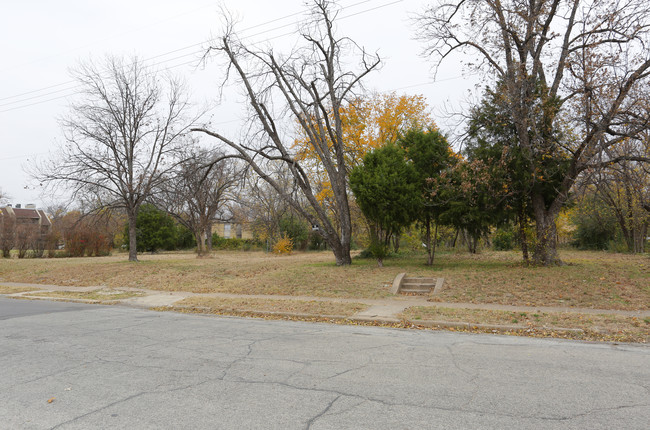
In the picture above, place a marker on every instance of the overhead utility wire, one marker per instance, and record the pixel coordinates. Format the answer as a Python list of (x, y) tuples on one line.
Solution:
[(175, 58), (172, 59), (187, 47)]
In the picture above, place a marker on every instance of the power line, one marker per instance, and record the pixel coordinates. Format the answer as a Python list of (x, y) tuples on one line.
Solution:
[(179, 50), (172, 59)]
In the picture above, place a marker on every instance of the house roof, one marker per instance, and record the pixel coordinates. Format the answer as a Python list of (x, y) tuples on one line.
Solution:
[(45, 221), (26, 213)]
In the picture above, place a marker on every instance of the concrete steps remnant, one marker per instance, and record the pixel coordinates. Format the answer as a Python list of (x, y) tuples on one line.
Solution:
[(404, 285)]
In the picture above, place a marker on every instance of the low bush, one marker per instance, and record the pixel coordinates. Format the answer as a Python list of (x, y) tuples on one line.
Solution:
[(221, 243), (284, 245)]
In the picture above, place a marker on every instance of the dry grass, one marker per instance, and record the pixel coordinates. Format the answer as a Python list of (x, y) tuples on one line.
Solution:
[(97, 296), (623, 327), (312, 274), (592, 279), (242, 305), (6, 289)]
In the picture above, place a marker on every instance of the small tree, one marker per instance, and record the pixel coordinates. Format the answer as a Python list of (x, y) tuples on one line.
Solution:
[(295, 228), (121, 136), (26, 235), (155, 229), (200, 188), (432, 157), (388, 192), (7, 235)]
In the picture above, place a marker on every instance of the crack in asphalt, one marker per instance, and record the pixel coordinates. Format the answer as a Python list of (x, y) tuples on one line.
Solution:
[(126, 399), (322, 413)]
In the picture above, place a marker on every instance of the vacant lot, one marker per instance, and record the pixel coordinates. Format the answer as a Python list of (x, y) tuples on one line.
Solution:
[(594, 326), (591, 279)]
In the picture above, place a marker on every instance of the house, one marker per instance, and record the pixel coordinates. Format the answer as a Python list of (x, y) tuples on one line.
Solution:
[(232, 230), (25, 219)]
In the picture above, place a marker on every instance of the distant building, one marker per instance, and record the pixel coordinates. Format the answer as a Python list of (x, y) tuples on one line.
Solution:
[(232, 230), (26, 219)]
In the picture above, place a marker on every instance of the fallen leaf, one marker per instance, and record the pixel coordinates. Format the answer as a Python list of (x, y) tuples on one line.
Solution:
[(51, 400)]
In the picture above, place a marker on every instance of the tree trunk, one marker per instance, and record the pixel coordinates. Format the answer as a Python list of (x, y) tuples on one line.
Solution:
[(340, 250), (427, 239), (546, 248), (453, 244), (208, 238), (198, 235), (472, 242), (342, 255), (396, 239), (133, 244), (432, 245), (522, 236)]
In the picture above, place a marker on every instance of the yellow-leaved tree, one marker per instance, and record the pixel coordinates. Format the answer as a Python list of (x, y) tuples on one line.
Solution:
[(367, 123), (371, 122)]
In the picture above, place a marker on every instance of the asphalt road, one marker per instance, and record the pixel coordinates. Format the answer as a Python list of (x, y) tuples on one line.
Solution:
[(118, 367)]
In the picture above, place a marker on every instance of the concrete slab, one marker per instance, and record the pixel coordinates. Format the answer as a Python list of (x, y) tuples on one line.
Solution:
[(383, 311), (155, 300)]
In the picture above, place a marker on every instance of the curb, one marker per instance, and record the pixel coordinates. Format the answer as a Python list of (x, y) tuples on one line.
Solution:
[(207, 310), (379, 320), (493, 327)]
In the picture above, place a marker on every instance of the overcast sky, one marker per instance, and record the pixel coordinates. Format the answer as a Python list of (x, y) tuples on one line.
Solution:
[(40, 40)]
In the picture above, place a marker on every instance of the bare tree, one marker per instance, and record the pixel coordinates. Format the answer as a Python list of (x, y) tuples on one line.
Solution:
[(7, 228), (309, 86), (625, 188), (576, 65), (265, 207), (121, 137), (200, 189), (26, 236), (7, 233)]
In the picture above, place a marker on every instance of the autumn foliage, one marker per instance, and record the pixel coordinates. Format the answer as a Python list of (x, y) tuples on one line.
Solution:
[(284, 245), (371, 122)]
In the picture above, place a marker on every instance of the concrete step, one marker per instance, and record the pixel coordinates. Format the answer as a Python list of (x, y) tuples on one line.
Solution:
[(419, 284), (422, 287), (402, 284), (414, 291), (428, 281)]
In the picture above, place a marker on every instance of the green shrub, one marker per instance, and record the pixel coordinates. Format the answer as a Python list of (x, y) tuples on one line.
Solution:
[(221, 243), (317, 242), (503, 240), (379, 250), (296, 229), (596, 225)]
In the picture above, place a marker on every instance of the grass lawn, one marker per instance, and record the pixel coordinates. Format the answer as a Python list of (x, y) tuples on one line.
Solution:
[(96, 296), (591, 279), (6, 289), (620, 328), (238, 306)]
